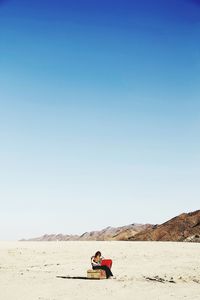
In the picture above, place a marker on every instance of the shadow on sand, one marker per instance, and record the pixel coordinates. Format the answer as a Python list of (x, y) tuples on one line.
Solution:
[(77, 277)]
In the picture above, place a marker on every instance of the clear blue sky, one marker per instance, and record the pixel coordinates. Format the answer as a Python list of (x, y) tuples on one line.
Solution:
[(99, 113)]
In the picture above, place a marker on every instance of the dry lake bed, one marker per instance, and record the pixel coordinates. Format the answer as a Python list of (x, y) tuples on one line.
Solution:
[(143, 270)]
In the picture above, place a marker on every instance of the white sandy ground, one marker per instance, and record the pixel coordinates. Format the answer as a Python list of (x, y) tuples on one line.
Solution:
[(28, 270)]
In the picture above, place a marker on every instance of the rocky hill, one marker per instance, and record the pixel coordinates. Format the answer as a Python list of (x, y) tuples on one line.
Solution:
[(109, 233), (185, 227)]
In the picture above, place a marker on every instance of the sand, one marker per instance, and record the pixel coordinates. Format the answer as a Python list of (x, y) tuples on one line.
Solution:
[(29, 270)]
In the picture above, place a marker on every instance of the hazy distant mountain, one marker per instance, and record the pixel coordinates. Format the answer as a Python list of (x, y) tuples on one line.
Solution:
[(185, 227), (109, 233), (55, 237)]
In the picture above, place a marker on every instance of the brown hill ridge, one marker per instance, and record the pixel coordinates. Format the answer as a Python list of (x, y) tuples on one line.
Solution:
[(116, 234), (185, 227)]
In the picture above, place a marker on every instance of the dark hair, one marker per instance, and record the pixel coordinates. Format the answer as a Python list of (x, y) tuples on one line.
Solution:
[(98, 253)]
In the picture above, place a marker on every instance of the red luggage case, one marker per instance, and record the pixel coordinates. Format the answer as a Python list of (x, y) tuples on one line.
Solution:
[(107, 262)]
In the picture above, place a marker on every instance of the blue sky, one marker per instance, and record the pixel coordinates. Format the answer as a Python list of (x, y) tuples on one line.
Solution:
[(99, 114)]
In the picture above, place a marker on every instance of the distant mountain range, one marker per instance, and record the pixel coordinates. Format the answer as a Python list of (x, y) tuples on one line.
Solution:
[(185, 227), (107, 234)]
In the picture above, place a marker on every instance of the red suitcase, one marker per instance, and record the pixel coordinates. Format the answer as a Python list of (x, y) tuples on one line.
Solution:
[(107, 262)]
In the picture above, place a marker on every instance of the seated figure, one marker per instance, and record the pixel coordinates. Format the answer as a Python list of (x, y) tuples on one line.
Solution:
[(98, 262)]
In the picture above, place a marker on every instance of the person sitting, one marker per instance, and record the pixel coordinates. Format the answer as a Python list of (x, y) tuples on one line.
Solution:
[(98, 262)]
